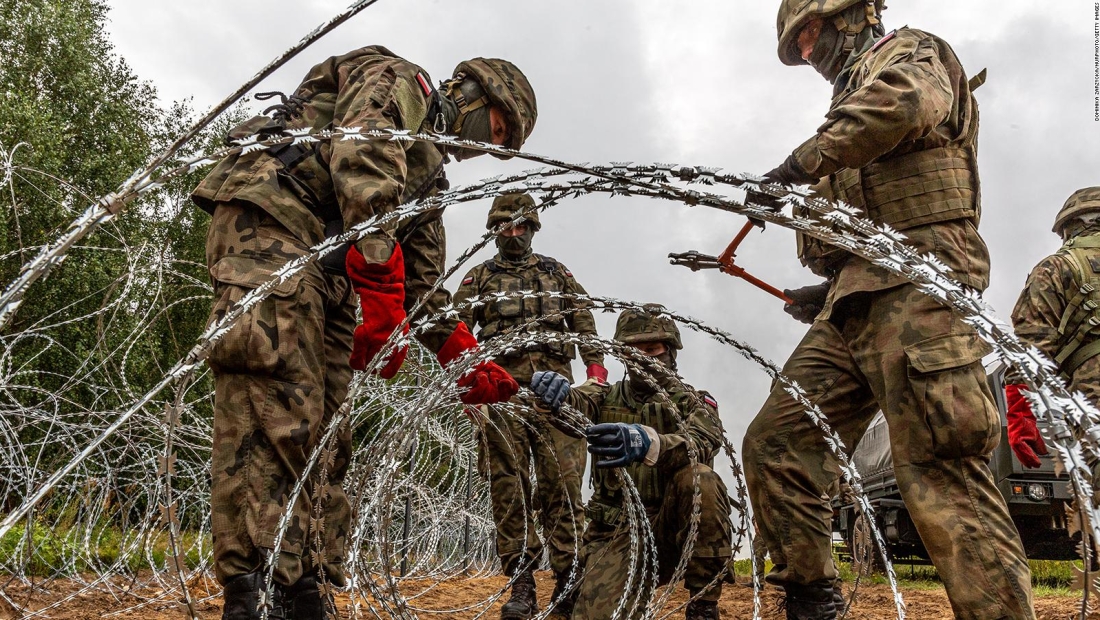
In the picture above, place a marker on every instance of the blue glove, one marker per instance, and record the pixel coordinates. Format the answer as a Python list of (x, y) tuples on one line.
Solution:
[(624, 443), (551, 388)]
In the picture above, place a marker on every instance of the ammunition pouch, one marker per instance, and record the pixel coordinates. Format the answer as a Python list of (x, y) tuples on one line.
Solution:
[(605, 514), (915, 189)]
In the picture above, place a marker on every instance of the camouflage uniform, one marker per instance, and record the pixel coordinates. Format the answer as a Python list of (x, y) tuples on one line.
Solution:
[(899, 142), (1054, 312), (508, 443), (667, 489), (282, 371)]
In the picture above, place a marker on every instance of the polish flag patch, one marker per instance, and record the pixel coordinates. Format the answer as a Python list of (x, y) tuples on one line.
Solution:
[(708, 399), (883, 40), (424, 83), (469, 280)]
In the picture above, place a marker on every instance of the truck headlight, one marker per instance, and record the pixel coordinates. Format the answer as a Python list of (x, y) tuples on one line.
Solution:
[(1037, 492)]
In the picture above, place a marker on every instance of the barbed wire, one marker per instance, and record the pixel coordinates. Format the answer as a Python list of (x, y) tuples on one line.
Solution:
[(90, 491)]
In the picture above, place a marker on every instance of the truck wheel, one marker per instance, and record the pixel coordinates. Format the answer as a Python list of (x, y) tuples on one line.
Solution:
[(866, 559)]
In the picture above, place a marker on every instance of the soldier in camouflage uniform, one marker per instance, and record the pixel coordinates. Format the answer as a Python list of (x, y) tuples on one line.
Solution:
[(508, 444), (283, 369), (899, 142), (1057, 314), (652, 437)]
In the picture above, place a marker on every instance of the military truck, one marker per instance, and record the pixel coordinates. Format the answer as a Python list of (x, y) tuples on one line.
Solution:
[(1036, 498)]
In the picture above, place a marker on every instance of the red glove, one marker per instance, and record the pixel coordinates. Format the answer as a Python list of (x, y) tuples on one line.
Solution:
[(597, 372), (1023, 435), (487, 382), (381, 289)]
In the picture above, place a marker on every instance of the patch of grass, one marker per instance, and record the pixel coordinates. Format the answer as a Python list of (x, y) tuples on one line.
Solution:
[(53, 552), (1046, 576)]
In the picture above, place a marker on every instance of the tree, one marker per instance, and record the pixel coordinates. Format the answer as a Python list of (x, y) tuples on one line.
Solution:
[(75, 122)]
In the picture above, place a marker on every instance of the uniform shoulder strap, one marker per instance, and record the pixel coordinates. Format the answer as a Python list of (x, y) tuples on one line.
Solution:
[(547, 264), (492, 266), (975, 81)]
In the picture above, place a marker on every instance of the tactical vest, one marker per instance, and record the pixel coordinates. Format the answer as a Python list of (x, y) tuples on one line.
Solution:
[(304, 168), (607, 500), (1079, 329), (546, 276), (916, 188)]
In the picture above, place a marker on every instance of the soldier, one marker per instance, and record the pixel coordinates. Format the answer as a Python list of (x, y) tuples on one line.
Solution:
[(283, 370), (1057, 314), (508, 444), (652, 436), (899, 142)]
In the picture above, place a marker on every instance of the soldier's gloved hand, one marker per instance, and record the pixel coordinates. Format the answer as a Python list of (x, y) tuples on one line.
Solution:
[(789, 172), (486, 383), (551, 388), (381, 289), (1023, 434), (621, 444), (808, 301), (597, 372)]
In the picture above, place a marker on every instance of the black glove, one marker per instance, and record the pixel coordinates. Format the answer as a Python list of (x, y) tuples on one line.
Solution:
[(787, 173), (808, 302), (623, 443), (551, 388)]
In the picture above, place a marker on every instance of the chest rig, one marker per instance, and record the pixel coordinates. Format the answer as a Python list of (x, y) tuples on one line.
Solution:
[(546, 275)]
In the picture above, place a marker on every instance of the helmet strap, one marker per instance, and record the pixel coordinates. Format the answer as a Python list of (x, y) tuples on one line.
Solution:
[(452, 91)]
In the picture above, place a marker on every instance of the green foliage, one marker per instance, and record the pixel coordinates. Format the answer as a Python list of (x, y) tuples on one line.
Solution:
[(132, 298), (1053, 576), (53, 552)]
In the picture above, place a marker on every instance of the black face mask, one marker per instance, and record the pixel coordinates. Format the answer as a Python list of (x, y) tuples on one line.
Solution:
[(654, 368), (828, 55), (518, 247)]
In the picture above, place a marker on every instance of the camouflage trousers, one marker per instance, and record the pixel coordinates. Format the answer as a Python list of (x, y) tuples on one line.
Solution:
[(280, 374), (900, 351), (608, 564), (506, 449)]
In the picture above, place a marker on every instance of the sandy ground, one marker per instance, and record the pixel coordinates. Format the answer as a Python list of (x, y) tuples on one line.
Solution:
[(873, 602)]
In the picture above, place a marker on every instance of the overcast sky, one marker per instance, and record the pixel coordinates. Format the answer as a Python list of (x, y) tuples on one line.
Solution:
[(694, 83)]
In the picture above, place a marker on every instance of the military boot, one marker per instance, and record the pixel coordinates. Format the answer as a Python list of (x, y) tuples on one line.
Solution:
[(815, 601), (307, 602), (702, 610), (563, 609), (242, 598), (523, 604), (839, 599)]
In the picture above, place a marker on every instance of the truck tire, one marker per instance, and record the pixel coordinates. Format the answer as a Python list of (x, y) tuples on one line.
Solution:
[(866, 559)]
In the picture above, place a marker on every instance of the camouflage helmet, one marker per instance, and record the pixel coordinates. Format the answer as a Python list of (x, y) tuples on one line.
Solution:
[(646, 325), (795, 14), (508, 88), (507, 205), (1082, 201)]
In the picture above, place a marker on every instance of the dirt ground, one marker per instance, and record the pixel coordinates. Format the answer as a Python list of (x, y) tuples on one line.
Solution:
[(873, 602)]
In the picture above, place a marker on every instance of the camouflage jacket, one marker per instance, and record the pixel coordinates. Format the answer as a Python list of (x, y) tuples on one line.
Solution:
[(701, 431), (1051, 313), (899, 142), (350, 180), (537, 274)]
